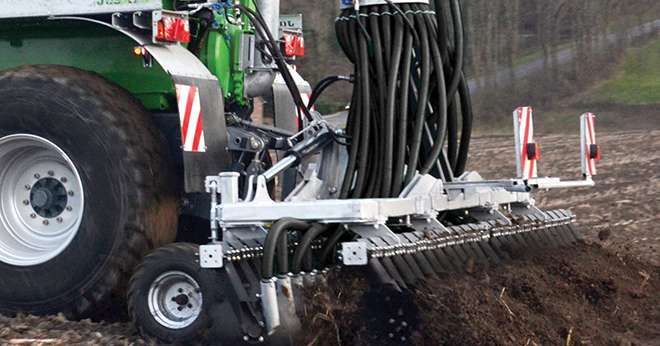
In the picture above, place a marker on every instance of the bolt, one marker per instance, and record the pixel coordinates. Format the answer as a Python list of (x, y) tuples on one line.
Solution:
[(51, 173), (69, 208), (59, 219), (26, 202), (37, 176), (189, 306), (180, 308), (180, 290), (34, 216), (71, 193), (174, 299), (64, 179), (46, 223), (254, 143)]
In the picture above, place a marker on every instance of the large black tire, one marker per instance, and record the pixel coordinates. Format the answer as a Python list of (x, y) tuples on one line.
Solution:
[(174, 258), (131, 203)]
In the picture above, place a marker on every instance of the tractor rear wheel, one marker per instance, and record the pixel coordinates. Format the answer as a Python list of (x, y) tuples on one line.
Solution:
[(85, 190)]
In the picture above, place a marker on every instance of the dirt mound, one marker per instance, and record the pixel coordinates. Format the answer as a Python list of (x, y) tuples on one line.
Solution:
[(577, 296)]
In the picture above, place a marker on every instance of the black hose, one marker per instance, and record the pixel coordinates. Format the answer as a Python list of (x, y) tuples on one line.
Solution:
[(409, 96), (304, 247), (324, 84), (422, 101), (330, 244), (261, 27), (459, 47), (277, 239), (466, 131)]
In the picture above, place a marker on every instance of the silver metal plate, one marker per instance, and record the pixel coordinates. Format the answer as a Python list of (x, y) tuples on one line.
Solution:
[(355, 253), (45, 8), (210, 256)]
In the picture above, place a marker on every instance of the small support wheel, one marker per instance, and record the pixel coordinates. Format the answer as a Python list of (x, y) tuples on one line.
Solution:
[(170, 295)]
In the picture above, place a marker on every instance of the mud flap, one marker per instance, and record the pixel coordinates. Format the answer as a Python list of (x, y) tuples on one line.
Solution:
[(204, 143)]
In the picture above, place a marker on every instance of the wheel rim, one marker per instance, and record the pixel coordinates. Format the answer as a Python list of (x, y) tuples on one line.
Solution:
[(41, 200), (175, 300)]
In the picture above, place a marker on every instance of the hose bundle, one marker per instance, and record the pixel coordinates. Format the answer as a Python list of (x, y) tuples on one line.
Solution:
[(409, 97)]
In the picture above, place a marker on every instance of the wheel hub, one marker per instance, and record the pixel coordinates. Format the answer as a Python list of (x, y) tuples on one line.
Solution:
[(41, 200), (175, 300), (48, 198)]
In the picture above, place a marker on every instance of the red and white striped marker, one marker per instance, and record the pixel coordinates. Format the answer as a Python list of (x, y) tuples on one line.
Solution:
[(190, 114), (590, 150), (527, 152)]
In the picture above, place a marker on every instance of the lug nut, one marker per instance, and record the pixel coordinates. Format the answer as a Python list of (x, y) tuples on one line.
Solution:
[(71, 193), (46, 223), (69, 208), (33, 215), (28, 187), (59, 219), (189, 306), (37, 176), (51, 173), (26, 202), (64, 179)]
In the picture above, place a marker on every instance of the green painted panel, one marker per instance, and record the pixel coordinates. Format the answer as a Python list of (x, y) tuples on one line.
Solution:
[(89, 47)]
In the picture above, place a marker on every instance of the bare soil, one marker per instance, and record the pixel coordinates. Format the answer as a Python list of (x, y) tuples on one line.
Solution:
[(574, 296), (622, 212), (606, 292)]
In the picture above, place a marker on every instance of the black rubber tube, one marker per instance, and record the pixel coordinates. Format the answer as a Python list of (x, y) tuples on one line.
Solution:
[(441, 110), (422, 100), (404, 96), (324, 84), (466, 132), (459, 47), (305, 245), (277, 239), (330, 245), (408, 96), (390, 111), (365, 103)]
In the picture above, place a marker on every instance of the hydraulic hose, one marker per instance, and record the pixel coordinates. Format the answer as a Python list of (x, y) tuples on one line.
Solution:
[(262, 30), (330, 244), (277, 240), (323, 85), (305, 246), (411, 110)]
